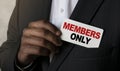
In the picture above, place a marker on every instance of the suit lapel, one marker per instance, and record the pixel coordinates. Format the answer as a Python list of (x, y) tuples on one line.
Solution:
[(32, 10), (84, 11)]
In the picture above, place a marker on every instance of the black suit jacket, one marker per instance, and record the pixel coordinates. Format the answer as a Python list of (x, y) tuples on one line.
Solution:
[(104, 14)]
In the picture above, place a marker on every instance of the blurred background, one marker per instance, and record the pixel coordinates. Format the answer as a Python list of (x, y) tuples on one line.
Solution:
[(6, 8)]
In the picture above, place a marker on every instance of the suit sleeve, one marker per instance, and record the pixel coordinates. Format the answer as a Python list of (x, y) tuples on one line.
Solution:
[(9, 48)]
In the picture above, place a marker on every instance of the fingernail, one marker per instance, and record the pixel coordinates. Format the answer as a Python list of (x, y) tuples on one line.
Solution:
[(58, 33)]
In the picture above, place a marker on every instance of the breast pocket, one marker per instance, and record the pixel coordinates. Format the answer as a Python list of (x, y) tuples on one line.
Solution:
[(88, 59), (90, 53)]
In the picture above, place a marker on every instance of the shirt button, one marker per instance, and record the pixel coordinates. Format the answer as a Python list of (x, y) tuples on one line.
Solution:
[(62, 10)]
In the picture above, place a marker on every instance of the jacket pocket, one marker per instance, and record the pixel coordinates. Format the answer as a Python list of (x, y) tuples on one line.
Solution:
[(82, 52)]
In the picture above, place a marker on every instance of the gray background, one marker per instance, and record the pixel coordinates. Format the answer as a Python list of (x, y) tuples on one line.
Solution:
[(6, 8)]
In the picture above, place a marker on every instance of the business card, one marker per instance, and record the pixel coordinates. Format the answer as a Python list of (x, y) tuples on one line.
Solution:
[(81, 34)]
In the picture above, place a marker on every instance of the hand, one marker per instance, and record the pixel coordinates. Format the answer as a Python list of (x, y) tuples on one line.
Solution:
[(40, 38)]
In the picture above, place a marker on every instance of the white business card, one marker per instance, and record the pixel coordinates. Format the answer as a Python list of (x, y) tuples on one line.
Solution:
[(81, 34)]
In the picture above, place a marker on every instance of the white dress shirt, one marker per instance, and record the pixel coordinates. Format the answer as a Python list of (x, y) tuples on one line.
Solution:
[(61, 10)]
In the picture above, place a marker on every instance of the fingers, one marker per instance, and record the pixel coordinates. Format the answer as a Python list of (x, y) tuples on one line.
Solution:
[(36, 51), (46, 25), (43, 33), (28, 54), (38, 42)]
